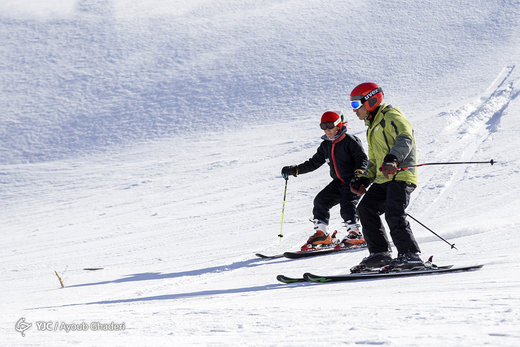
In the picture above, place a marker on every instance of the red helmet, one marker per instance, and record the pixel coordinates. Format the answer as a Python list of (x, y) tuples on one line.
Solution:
[(370, 94), (332, 116)]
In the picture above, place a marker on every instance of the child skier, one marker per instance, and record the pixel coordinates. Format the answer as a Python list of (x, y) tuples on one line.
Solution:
[(345, 155)]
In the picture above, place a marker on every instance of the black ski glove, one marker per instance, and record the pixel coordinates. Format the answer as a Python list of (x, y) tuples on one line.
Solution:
[(289, 170), (359, 185)]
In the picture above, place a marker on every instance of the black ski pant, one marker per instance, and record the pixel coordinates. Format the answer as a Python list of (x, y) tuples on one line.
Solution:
[(336, 193), (390, 198)]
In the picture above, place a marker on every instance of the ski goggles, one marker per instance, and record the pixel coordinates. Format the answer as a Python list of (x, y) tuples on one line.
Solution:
[(328, 125), (356, 104)]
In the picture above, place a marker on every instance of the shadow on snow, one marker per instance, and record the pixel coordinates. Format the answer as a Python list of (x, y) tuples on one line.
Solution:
[(150, 276), (209, 292)]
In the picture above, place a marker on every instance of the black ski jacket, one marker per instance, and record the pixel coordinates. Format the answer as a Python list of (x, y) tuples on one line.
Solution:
[(344, 155)]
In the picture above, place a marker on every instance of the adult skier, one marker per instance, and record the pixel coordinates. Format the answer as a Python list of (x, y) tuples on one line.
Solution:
[(391, 145), (345, 155)]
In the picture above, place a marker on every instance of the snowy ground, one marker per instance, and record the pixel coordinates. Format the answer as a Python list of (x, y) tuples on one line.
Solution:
[(147, 138)]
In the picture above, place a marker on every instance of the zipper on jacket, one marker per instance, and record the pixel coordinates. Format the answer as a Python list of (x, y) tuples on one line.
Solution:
[(334, 159)]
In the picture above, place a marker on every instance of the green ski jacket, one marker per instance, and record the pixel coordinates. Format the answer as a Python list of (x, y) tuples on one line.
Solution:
[(389, 132)]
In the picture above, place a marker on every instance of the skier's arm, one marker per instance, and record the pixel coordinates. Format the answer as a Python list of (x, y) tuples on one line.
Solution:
[(403, 142), (317, 160)]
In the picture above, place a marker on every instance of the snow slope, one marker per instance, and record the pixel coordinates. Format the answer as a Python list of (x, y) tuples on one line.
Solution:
[(147, 138)]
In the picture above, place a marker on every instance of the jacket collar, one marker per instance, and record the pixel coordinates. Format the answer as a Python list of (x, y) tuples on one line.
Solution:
[(375, 115), (340, 135)]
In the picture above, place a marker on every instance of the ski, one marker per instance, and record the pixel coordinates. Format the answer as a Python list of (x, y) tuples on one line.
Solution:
[(263, 256), (311, 253), (376, 274), (286, 279), (318, 252)]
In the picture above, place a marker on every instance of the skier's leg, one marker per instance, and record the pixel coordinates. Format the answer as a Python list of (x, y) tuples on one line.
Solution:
[(371, 206), (398, 194), (348, 205), (327, 198)]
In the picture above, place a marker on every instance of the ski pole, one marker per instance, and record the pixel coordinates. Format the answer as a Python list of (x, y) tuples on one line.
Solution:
[(450, 163), (283, 207), (433, 232)]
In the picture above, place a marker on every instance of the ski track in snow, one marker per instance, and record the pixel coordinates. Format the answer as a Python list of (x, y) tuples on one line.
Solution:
[(468, 128)]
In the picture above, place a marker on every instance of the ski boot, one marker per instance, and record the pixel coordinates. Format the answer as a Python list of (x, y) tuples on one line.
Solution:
[(319, 239), (373, 262), (353, 237), (408, 261)]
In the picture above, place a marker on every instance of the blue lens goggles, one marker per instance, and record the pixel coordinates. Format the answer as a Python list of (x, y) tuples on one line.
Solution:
[(356, 104)]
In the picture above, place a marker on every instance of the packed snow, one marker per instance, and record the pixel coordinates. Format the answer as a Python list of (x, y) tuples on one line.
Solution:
[(143, 140)]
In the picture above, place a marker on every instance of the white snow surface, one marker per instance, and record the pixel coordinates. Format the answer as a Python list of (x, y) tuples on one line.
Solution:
[(147, 137)]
